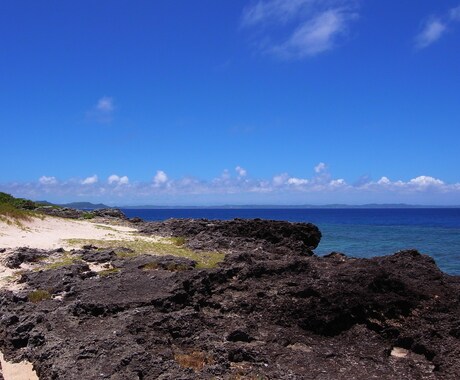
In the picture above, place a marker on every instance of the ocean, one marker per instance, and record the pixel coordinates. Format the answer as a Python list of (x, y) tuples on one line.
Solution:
[(355, 232)]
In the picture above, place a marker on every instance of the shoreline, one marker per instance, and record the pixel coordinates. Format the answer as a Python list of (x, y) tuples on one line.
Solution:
[(265, 306)]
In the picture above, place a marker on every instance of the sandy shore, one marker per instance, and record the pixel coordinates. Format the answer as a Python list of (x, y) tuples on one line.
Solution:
[(52, 232)]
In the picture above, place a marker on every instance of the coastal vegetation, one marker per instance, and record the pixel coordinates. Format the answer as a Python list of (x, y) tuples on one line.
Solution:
[(166, 246), (64, 260), (15, 210), (39, 295)]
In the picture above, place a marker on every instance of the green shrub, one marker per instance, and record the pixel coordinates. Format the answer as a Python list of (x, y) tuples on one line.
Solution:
[(88, 215)]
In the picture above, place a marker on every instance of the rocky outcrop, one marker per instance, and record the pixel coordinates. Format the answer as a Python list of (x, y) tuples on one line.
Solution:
[(109, 213), (264, 313), (62, 212), (71, 213), (27, 255), (239, 235)]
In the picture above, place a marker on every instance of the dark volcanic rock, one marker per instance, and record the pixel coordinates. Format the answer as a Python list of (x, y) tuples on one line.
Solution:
[(261, 314), (109, 213), (98, 256), (240, 234), (26, 255), (136, 220), (63, 212), (149, 262), (58, 280), (71, 213)]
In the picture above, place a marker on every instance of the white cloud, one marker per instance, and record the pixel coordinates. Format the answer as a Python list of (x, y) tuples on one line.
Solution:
[(240, 171), (160, 178), (105, 104), (280, 179), (90, 180), (436, 27), (425, 181), (272, 10), (384, 181), (337, 182), (103, 111), (44, 180), (432, 31), (321, 186), (115, 179), (297, 29), (321, 167), (314, 36), (454, 13), (297, 181)]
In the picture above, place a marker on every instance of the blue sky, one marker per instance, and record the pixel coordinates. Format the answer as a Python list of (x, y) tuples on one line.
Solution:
[(218, 102)]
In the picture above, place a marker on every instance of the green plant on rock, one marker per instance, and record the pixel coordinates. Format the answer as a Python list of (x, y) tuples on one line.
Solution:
[(165, 246), (108, 272), (65, 260), (39, 295)]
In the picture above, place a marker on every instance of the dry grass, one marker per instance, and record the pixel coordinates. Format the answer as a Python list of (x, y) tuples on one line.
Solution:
[(173, 267), (195, 360), (164, 247), (12, 215), (39, 295), (108, 272), (65, 260)]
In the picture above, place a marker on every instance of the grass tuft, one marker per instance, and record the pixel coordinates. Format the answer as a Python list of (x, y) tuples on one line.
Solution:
[(108, 272), (39, 295), (178, 240), (166, 246), (172, 267), (13, 215), (65, 260)]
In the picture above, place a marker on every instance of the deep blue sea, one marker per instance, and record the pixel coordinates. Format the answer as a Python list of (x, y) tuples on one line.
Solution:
[(356, 232)]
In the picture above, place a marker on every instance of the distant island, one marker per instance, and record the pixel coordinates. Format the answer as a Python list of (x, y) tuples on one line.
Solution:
[(94, 206)]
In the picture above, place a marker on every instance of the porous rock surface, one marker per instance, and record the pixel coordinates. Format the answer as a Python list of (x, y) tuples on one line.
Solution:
[(267, 312), (239, 235)]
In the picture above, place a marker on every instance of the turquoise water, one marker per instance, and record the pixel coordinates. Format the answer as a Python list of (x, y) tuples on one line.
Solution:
[(356, 232)]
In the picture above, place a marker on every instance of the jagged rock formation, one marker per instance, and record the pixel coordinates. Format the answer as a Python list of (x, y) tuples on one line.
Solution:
[(272, 310), (239, 235), (71, 213)]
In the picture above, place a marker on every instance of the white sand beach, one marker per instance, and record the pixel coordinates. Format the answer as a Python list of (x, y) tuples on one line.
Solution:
[(52, 232)]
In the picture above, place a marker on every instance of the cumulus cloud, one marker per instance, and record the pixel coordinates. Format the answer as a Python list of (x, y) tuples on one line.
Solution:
[(384, 181), (322, 185), (240, 171), (44, 180), (297, 181), (424, 180), (321, 167), (117, 180), (90, 180), (280, 179), (160, 178), (432, 31), (309, 27), (337, 182)]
